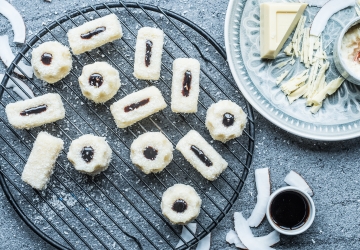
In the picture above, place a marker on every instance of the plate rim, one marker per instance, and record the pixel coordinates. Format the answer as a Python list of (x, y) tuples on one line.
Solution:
[(259, 108)]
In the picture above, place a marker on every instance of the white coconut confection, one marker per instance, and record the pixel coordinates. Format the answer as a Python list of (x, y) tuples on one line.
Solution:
[(51, 61), (40, 164), (180, 204), (185, 85), (151, 152), (94, 34), (201, 155), (225, 120), (148, 51), (90, 154), (99, 82), (136, 106), (36, 111)]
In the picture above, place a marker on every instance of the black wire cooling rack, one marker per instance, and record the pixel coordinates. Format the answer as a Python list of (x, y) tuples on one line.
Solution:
[(122, 205)]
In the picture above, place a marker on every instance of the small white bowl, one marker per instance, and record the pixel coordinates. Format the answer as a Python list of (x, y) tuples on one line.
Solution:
[(308, 222), (341, 66)]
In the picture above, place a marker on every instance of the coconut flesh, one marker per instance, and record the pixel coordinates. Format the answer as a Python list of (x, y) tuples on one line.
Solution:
[(245, 235), (16, 20), (262, 179), (204, 243), (323, 16), (268, 240), (296, 180), (186, 235), (7, 57), (17, 89)]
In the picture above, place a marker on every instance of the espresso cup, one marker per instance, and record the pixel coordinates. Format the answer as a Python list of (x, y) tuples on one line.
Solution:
[(290, 210)]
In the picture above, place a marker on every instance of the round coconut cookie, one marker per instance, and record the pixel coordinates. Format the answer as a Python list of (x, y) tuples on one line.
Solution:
[(225, 120), (90, 154), (51, 61), (99, 82), (180, 204), (151, 152)]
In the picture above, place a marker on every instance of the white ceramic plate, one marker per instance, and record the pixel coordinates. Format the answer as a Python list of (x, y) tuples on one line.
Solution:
[(338, 119)]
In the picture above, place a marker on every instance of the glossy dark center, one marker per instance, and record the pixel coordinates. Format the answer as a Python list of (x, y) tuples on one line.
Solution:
[(34, 110), (87, 153), (179, 206), (136, 105), (92, 33), (200, 154), (186, 83), (149, 45), (96, 80), (289, 210), (150, 153), (228, 120), (46, 58)]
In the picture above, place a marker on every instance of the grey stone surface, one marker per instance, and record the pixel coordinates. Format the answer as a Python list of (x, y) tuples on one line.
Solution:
[(330, 168)]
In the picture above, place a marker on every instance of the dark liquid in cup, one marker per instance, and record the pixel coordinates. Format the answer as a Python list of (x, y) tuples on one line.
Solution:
[(289, 210)]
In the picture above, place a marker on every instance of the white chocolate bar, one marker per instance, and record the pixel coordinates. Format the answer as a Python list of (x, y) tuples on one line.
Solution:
[(39, 167), (36, 111)]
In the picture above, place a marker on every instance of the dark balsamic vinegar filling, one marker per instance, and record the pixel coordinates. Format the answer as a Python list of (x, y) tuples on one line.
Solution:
[(87, 153), (46, 58), (92, 33), (96, 80), (136, 105), (228, 120), (150, 153), (200, 154), (186, 83), (149, 45), (34, 110), (289, 210), (179, 206)]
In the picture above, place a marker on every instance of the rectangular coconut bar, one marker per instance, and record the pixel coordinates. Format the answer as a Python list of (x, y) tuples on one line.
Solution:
[(185, 85), (137, 106), (36, 111), (39, 166), (148, 51), (209, 171), (95, 33)]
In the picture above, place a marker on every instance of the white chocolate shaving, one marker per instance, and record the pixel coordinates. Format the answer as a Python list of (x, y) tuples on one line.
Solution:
[(282, 77), (295, 82)]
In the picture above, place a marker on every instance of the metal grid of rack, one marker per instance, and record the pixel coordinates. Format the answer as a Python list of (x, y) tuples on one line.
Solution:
[(122, 205)]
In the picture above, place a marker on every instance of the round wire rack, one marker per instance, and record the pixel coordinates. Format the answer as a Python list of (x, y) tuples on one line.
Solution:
[(122, 205)]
